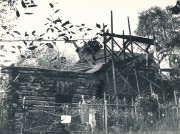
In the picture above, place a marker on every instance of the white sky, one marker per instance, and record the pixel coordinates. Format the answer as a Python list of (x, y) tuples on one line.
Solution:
[(91, 12), (88, 12)]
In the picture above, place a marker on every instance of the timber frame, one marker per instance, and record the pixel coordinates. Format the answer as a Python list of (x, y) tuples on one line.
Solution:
[(124, 66), (130, 61)]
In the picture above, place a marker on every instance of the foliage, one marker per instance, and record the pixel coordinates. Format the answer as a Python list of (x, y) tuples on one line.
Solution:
[(159, 24), (164, 27), (8, 17), (35, 49), (176, 8), (56, 31), (92, 46), (46, 58)]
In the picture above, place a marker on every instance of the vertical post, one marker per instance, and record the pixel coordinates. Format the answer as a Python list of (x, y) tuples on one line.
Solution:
[(151, 89), (147, 59), (107, 78), (105, 113), (129, 27), (1, 109), (103, 117), (117, 102), (24, 98), (104, 39), (137, 83), (109, 99), (132, 102), (124, 49), (125, 103), (175, 99), (104, 42), (135, 109), (113, 68), (23, 115)]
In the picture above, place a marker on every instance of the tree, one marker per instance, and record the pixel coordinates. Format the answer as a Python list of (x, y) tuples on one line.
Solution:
[(162, 26), (43, 48), (46, 58), (56, 31), (159, 24), (176, 8)]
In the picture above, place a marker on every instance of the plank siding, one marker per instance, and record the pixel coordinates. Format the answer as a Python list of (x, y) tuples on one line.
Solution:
[(41, 87)]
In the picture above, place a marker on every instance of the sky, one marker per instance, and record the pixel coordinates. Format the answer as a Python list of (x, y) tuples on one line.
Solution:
[(88, 12), (91, 12)]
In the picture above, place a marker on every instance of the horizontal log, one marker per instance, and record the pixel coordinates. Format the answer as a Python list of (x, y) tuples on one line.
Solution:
[(133, 38), (24, 93), (39, 98), (32, 88), (75, 100), (39, 102), (38, 71), (38, 108), (42, 106), (80, 91), (82, 87), (81, 67), (35, 102), (44, 109), (32, 93), (80, 96), (60, 78)]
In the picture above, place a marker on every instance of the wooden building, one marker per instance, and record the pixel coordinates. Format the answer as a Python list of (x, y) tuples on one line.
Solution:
[(118, 73), (47, 87)]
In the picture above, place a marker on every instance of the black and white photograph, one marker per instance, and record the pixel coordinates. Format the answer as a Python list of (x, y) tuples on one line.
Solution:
[(89, 66)]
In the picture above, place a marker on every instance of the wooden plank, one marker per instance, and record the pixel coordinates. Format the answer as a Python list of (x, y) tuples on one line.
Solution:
[(69, 79), (133, 38), (80, 91), (107, 40), (38, 101), (125, 81), (41, 106), (39, 98), (32, 93), (45, 72), (125, 46), (82, 87), (38, 108), (35, 102), (151, 81)]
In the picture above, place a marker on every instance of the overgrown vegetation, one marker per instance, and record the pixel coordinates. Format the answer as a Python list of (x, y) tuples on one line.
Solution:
[(164, 27), (31, 45), (146, 116)]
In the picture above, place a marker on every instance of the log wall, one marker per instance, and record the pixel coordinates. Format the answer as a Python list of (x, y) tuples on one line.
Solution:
[(46, 87)]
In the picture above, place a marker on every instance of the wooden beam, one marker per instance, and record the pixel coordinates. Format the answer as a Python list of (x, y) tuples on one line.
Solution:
[(150, 81), (111, 52), (112, 48), (148, 54), (40, 98), (125, 81), (104, 38), (107, 40), (134, 38), (77, 79), (122, 50), (45, 72), (137, 82), (125, 45)]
